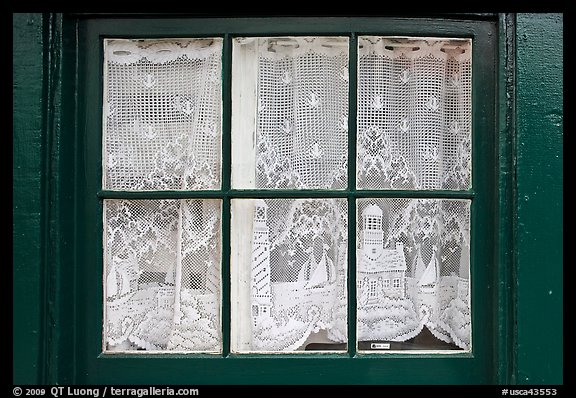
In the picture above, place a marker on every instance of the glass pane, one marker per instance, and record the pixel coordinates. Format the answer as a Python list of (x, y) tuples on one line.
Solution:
[(414, 113), (290, 113), (162, 114), (288, 267), (162, 275), (413, 270)]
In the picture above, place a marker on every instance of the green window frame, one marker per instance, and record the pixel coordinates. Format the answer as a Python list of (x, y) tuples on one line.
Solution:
[(93, 366)]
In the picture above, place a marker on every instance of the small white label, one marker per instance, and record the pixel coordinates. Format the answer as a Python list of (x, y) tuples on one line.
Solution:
[(380, 346)]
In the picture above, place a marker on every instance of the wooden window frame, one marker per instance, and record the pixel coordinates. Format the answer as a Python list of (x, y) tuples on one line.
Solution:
[(352, 367)]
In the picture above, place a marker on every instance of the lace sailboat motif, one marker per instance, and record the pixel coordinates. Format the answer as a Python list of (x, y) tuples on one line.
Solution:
[(162, 114), (414, 113), (413, 269), (298, 273), (162, 277)]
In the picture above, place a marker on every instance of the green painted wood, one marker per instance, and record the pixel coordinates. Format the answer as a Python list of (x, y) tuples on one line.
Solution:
[(226, 182), (57, 208), (66, 289), (189, 25), (28, 199), (63, 128), (43, 286), (55, 199), (303, 193), (504, 349), (283, 370), (51, 177), (483, 263), (352, 300), (539, 174)]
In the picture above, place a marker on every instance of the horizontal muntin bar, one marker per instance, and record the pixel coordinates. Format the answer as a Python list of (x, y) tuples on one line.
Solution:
[(260, 193)]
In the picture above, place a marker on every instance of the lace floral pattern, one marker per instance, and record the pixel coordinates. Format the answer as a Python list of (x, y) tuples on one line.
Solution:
[(162, 131), (414, 114), (162, 114), (162, 275), (302, 115), (413, 269)]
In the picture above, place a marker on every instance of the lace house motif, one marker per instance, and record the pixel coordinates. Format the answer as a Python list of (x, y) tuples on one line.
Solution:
[(413, 269), (162, 122)]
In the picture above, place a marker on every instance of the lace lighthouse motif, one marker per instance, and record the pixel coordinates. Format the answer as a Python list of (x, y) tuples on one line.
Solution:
[(413, 269), (162, 118), (298, 94), (298, 273)]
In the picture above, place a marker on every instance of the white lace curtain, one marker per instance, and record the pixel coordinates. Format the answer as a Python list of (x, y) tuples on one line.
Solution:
[(414, 132), (413, 269), (414, 114), (297, 90), (162, 114), (162, 118), (296, 272), (162, 131), (162, 277)]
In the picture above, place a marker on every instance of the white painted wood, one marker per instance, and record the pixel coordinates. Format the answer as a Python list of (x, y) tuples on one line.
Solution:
[(241, 225), (244, 112)]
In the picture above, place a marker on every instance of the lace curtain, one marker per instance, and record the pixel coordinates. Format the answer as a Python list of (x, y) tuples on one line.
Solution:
[(162, 277), (297, 90), (162, 131), (414, 113), (162, 118), (414, 124), (414, 132), (295, 274), (413, 269), (162, 107)]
